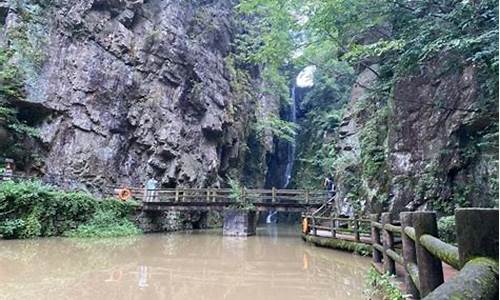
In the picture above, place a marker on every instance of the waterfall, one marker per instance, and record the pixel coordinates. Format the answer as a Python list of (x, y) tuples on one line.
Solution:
[(304, 80), (292, 117), (272, 215)]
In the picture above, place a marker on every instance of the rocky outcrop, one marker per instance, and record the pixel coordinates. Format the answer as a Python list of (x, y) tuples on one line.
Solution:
[(348, 166), (134, 89), (426, 147), (435, 154)]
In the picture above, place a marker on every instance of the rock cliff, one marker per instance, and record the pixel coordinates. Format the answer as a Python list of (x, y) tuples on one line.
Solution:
[(131, 89), (430, 144)]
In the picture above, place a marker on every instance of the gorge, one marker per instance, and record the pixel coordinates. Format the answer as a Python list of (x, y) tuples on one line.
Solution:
[(110, 93), (149, 147)]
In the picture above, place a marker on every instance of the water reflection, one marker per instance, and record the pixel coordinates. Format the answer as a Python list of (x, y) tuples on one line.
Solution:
[(276, 264)]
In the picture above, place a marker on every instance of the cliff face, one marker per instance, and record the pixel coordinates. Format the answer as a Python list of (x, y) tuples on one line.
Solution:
[(440, 154), (131, 89), (431, 144)]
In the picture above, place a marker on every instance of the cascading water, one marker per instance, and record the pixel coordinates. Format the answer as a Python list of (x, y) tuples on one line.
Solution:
[(292, 118), (304, 80), (272, 216)]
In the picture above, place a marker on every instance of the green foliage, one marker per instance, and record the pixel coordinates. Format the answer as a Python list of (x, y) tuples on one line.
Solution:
[(237, 194), (31, 209), (236, 189), (9, 77), (373, 144), (324, 107), (279, 128), (21, 59), (447, 229), (403, 37), (266, 39), (105, 223), (383, 286)]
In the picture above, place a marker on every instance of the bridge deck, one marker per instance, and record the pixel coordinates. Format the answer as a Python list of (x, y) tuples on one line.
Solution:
[(210, 198)]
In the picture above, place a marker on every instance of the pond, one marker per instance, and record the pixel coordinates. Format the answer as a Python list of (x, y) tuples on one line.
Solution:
[(275, 264)]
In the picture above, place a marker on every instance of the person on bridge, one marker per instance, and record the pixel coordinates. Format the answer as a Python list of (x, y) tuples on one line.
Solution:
[(150, 190), (329, 185), (8, 172)]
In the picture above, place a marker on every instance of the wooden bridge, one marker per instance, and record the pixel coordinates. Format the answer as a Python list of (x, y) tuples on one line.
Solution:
[(294, 200)]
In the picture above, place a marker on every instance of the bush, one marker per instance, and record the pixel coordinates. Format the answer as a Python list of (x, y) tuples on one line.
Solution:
[(31, 209), (105, 223), (447, 229), (383, 286)]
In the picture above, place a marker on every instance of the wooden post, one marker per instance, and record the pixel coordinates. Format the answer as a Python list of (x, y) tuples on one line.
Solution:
[(208, 195), (409, 254), (388, 243), (430, 268), (314, 226), (376, 254), (332, 227), (243, 196), (356, 229), (176, 195), (273, 197), (477, 233), (307, 196)]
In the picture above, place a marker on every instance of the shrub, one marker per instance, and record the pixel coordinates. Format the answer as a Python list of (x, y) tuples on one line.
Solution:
[(383, 286), (31, 209), (104, 223), (447, 229)]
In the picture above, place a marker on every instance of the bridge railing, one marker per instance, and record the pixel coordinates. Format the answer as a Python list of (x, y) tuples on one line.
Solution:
[(217, 195), (421, 253), (342, 228)]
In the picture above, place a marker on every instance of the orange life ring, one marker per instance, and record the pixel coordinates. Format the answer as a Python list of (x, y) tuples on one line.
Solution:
[(305, 225), (124, 194), (117, 275)]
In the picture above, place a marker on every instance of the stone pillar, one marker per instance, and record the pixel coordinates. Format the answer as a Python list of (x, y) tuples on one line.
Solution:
[(477, 233), (430, 269), (388, 243), (239, 222), (409, 256), (376, 254)]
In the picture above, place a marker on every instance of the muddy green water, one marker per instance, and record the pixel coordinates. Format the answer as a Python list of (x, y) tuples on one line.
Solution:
[(275, 264)]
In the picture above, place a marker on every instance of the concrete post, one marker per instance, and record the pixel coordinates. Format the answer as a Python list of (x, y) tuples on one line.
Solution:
[(239, 222), (430, 268), (409, 255), (388, 243), (477, 233)]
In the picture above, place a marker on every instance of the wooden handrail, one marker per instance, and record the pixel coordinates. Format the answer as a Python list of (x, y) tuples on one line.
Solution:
[(423, 253), (395, 256), (392, 228), (377, 225), (444, 251), (410, 231)]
